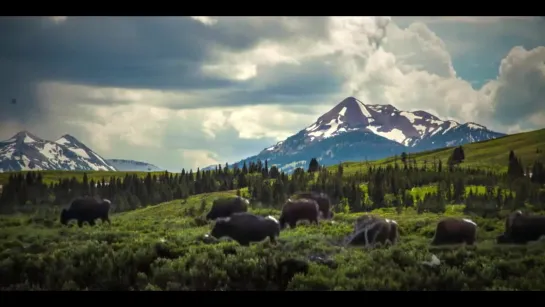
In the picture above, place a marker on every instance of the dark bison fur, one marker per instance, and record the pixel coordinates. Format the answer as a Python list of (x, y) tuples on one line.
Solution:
[(455, 231), (86, 209), (288, 268), (522, 228), (370, 230), (323, 200), (295, 210), (224, 207), (245, 227)]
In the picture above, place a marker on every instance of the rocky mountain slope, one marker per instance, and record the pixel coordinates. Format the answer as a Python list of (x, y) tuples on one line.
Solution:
[(25, 151), (355, 131), (132, 166)]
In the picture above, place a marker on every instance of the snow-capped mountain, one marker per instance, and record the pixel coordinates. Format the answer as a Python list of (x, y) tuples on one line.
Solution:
[(25, 151), (132, 166), (355, 131)]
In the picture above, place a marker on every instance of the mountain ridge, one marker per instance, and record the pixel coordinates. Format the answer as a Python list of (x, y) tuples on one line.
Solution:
[(408, 131), (26, 151)]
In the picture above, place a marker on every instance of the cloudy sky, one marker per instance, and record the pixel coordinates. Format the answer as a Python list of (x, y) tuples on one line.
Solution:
[(193, 91)]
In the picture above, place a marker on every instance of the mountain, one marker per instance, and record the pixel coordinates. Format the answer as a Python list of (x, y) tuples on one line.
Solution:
[(132, 166), (355, 131), (25, 151)]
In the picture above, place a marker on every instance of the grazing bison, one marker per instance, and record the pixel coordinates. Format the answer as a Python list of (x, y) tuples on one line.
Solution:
[(323, 200), (295, 210), (245, 227), (455, 231), (86, 209), (224, 207), (521, 228), (370, 230)]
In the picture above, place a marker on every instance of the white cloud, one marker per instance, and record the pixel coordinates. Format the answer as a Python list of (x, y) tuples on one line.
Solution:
[(519, 91), (58, 19), (199, 158), (207, 20)]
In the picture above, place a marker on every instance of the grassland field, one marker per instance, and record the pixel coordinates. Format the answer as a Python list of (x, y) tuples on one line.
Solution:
[(161, 248)]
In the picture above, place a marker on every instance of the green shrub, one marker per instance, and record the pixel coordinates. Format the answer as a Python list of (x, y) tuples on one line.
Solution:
[(161, 248)]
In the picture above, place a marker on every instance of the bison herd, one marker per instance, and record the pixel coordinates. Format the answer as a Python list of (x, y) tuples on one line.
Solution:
[(233, 220)]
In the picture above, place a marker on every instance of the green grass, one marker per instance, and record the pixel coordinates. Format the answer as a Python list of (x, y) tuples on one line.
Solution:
[(159, 247), (54, 176), (491, 155)]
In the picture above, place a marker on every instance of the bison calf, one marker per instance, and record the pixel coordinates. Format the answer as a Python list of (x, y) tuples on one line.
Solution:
[(224, 207), (86, 210), (370, 230), (521, 228), (299, 209), (455, 231), (245, 227)]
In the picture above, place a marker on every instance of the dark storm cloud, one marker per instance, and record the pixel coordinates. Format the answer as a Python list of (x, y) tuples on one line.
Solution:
[(163, 53), (307, 83), (139, 52)]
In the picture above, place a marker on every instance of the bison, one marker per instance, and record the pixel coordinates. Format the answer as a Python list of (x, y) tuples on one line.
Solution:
[(245, 227), (370, 230), (521, 228), (455, 231), (224, 207), (299, 209), (323, 200), (86, 209)]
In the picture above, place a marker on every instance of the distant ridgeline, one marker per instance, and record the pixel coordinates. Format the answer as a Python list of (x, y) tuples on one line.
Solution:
[(388, 186)]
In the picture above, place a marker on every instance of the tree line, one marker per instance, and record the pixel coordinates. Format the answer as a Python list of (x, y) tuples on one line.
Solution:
[(376, 187)]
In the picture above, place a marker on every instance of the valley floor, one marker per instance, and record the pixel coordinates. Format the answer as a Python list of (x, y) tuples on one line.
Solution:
[(161, 248)]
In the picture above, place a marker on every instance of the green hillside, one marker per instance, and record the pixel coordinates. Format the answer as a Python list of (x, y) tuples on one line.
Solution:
[(492, 154), (159, 248)]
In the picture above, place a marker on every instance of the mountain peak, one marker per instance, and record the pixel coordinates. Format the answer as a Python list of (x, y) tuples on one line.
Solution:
[(349, 111), (25, 137)]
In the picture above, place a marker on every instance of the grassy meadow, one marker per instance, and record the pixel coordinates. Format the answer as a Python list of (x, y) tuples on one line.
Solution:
[(491, 155), (161, 248)]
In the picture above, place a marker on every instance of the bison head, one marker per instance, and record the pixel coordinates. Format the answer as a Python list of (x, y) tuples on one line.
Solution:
[(221, 228), (65, 216)]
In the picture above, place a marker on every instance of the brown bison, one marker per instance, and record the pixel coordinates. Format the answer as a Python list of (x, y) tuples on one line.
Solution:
[(224, 207), (295, 210), (455, 231), (323, 200), (370, 230), (522, 228), (245, 227), (86, 209)]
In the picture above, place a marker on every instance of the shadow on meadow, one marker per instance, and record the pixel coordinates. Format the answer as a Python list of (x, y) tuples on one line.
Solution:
[(161, 248)]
